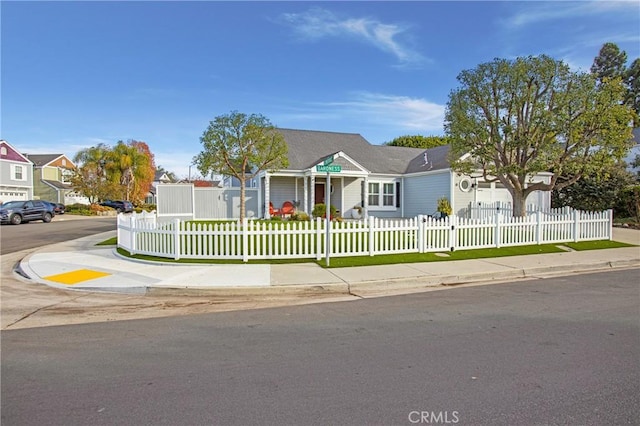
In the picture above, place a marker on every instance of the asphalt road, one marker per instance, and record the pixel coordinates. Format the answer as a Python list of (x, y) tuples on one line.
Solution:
[(561, 351), (30, 235)]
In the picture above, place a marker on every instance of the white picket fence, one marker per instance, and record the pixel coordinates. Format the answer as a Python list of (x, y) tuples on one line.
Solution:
[(145, 234), (487, 210)]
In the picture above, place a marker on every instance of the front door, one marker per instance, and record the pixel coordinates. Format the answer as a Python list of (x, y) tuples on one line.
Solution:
[(319, 193)]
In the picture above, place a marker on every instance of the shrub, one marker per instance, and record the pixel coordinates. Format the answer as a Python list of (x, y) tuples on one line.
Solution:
[(79, 209), (319, 210), (299, 216)]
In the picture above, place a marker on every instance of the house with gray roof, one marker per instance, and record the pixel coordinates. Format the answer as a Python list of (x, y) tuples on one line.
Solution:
[(384, 181), (52, 179)]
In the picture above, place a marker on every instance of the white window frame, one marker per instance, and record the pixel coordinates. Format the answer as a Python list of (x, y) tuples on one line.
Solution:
[(375, 194), (14, 172), (383, 197)]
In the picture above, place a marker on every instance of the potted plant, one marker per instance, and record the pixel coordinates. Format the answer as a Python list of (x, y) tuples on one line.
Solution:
[(444, 207), (356, 212)]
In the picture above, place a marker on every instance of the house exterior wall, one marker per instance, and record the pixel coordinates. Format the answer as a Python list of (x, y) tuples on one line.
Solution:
[(352, 195), (421, 192), (49, 173), (462, 198), (15, 189), (282, 189)]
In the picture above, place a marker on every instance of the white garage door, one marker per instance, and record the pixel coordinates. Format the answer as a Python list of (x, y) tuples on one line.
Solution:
[(13, 196)]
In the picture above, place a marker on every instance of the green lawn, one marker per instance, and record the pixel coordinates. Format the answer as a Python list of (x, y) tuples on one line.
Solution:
[(340, 262)]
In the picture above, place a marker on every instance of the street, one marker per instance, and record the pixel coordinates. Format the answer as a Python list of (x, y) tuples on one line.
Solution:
[(62, 228), (558, 351)]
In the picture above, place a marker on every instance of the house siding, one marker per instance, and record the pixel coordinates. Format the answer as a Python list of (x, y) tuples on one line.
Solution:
[(462, 199), (281, 190), (351, 195), (421, 193)]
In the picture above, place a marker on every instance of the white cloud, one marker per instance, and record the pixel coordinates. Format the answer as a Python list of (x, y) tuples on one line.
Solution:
[(319, 23), (381, 117), (403, 112), (534, 12)]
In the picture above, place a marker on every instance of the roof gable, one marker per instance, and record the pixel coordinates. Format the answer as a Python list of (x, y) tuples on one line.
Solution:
[(308, 148), (52, 160), (11, 154)]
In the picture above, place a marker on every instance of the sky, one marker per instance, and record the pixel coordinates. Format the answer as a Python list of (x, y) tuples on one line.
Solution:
[(79, 73)]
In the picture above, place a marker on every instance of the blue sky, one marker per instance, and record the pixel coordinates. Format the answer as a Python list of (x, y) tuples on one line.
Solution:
[(75, 74)]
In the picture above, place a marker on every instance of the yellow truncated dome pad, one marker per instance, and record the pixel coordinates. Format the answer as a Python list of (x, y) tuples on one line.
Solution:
[(75, 277)]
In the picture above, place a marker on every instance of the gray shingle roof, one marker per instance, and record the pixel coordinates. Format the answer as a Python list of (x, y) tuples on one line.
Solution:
[(40, 160), (57, 184), (309, 147)]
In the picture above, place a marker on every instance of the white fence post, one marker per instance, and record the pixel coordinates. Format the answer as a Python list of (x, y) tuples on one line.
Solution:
[(318, 239), (371, 220), (496, 234), (421, 245), (610, 228), (576, 225), (176, 239), (538, 227), (453, 232), (132, 233), (245, 240)]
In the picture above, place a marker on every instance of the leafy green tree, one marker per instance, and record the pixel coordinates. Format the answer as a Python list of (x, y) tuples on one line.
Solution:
[(610, 62), (596, 193), (419, 141), (632, 81), (241, 146), (90, 177), (122, 172), (512, 119), (131, 168)]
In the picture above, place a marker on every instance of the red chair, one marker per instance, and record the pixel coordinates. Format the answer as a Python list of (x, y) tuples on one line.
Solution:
[(287, 209), (273, 211)]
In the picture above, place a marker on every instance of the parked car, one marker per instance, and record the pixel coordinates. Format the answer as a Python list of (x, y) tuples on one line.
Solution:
[(58, 208), (118, 205), (16, 212)]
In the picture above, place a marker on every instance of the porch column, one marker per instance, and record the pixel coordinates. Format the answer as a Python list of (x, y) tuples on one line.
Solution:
[(312, 188), (365, 200), (267, 196), (305, 206)]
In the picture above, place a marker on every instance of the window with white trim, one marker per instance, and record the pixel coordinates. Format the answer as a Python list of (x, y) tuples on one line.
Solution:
[(388, 194), (374, 193), (382, 195), (18, 172)]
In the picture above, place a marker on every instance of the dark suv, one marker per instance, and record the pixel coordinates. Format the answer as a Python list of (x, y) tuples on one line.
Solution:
[(16, 212), (119, 205)]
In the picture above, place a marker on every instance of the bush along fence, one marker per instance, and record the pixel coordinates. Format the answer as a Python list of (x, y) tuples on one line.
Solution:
[(145, 234)]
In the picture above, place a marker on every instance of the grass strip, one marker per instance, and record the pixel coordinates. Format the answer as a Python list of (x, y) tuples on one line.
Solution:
[(391, 259)]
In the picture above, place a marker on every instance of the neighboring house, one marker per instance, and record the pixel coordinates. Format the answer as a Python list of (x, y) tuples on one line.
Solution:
[(386, 181), (16, 174), (160, 177), (52, 179)]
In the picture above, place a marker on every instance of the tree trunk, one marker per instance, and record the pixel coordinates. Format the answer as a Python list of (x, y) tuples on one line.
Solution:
[(519, 204), (243, 183)]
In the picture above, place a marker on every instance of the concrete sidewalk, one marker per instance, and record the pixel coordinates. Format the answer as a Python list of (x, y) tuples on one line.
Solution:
[(81, 265)]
